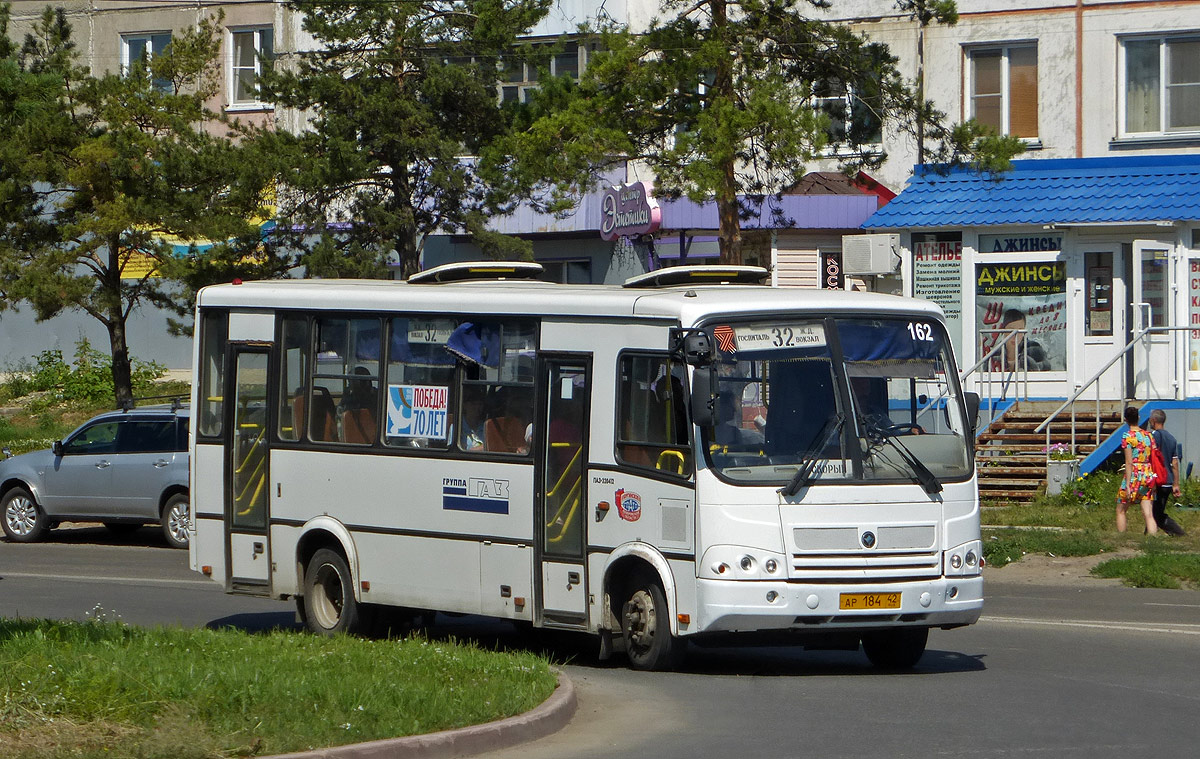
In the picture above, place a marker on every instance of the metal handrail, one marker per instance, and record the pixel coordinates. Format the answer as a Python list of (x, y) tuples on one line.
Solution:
[(1017, 376), (991, 354), (1094, 380)]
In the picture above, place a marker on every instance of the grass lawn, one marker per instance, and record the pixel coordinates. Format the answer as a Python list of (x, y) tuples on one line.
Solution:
[(104, 689), (1082, 522)]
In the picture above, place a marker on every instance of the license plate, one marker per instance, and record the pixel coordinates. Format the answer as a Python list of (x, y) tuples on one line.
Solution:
[(856, 601)]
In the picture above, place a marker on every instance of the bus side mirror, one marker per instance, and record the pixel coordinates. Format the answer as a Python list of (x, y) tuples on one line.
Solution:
[(697, 349), (972, 401), (703, 402)]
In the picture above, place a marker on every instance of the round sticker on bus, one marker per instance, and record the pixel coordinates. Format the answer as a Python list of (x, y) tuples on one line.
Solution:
[(629, 505)]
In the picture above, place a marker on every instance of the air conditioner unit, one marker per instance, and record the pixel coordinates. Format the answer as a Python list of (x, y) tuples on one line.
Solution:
[(870, 254)]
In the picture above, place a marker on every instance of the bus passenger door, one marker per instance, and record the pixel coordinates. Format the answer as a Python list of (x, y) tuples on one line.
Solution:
[(246, 496), (562, 534)]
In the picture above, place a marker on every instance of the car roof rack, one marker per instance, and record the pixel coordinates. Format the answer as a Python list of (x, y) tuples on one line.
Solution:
[(477, 270), (674, 276), (177, 402)]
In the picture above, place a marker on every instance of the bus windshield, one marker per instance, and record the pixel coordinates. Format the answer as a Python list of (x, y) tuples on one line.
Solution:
[(836, 400)]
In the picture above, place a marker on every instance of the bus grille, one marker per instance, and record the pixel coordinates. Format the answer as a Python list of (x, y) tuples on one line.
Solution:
[(837, 554)]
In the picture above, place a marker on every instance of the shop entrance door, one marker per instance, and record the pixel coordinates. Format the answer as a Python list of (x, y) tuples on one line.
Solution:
[(1154, 371), (1104, 320)]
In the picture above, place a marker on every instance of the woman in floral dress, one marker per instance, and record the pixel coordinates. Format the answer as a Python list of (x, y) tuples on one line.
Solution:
[(1138, 483)]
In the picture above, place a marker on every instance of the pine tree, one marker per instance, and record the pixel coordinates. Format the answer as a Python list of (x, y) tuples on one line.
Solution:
[(401, 95), (99, 169), (717, 97)]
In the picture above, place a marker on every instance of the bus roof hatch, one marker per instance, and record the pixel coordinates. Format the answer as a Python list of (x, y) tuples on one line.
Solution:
[(469, 270), (699, 275)]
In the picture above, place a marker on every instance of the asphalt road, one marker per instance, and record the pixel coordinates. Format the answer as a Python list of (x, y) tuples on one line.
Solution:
[(1049, 671)]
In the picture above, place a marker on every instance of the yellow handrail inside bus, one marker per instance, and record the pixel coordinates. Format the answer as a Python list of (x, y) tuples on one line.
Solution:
[(666, 456), (566, 470), (257, 479), (255, 447), (573, 499)]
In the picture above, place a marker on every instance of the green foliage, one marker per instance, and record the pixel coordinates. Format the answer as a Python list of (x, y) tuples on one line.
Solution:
[(128, 164), (400, 92), (89, 379), (1001, 547), (1080, 521), (718, 97), (1161, 566), (102, 688)]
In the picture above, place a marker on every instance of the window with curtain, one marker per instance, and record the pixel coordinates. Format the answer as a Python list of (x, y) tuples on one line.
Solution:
[(251, 50), (1161, 85), (1004, 89)]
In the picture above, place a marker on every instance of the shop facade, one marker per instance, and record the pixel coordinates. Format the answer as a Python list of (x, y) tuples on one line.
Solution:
[(1094, 263)]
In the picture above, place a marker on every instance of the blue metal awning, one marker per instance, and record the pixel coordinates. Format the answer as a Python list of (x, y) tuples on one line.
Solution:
[(1122, 190)]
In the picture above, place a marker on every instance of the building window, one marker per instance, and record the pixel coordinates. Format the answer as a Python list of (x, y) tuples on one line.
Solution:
[(251, 50), (852, 119), (140, 48), (1004, 89), (1162, 85), (520, 75)]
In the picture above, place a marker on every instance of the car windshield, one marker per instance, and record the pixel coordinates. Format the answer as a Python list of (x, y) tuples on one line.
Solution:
[(801, 401)]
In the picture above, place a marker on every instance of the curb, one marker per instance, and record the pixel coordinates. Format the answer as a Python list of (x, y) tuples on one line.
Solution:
[(548, 717)]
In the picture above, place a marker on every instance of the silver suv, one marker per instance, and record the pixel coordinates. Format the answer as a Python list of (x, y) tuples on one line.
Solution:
[(123, 468)]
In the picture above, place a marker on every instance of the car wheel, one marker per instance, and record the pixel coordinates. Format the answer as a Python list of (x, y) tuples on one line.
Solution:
[(24, 521), (646, 627), (329, 603), (896, 649), (176, 520)]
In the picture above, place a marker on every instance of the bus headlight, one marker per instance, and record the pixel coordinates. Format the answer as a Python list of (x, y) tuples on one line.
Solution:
[(964, 560), (741, 563)]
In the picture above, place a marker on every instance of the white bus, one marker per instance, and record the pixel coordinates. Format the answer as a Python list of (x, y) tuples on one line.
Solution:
[(692, 456)]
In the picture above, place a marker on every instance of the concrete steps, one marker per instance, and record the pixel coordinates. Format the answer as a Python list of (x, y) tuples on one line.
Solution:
[(1011, 457)]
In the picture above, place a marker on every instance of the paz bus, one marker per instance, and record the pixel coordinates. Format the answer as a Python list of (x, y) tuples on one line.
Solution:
[(691, 456)]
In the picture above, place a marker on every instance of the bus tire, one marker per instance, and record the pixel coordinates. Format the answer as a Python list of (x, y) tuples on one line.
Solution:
[(646, 628), (899, 648), (329, 606)]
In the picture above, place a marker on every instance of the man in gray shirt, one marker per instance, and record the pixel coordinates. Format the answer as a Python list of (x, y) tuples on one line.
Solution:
[(1170, 452)]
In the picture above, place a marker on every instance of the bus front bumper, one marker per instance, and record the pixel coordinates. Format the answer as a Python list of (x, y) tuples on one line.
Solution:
[(745, 606)]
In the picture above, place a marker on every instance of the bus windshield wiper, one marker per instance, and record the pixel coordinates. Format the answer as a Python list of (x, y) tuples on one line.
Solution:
[(920, 473), (803, 476)]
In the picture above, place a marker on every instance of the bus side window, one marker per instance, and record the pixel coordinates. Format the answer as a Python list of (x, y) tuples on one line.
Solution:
[(417, 359), (495, 360), (293, 378), (653, 429), (214, 329)]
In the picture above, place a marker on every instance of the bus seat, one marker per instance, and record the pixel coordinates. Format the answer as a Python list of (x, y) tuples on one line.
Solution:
[(358, 426), (321, 417), (505, 434), (636, 455)]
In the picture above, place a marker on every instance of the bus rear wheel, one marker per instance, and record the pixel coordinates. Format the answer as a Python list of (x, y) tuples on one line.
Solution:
[(329, 604), (896, 649), (646, 628)]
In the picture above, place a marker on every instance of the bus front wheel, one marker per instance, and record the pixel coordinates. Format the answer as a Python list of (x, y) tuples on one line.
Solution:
[(646, 628), (896, 649), (329, 604)]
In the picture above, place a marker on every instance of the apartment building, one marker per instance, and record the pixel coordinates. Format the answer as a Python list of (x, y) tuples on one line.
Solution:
[(1109, 81)]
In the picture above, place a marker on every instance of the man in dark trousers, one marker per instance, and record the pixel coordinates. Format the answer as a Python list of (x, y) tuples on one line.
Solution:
[(1170, 452)]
